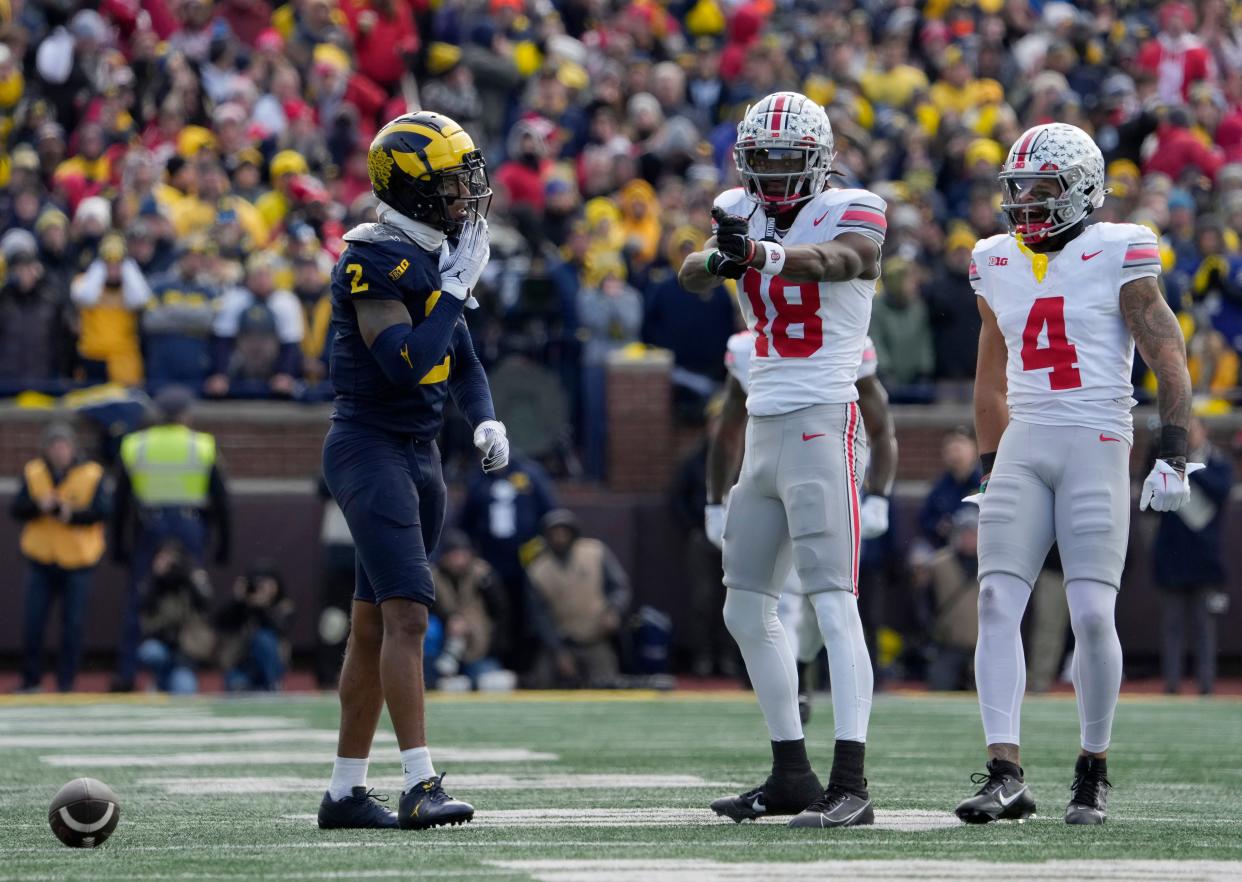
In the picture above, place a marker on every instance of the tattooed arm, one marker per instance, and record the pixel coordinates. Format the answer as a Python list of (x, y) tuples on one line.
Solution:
[(1158, 337)]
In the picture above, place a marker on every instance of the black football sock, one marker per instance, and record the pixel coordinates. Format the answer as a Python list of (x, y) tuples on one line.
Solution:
[(1005, 767), (847, 767), (789, 758), (1096, 765)]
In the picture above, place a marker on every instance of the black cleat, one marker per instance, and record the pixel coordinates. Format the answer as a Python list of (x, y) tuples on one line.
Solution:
[(427, 805), (775, 796), (1089, 793), (837, 807), (1001, 798), (361, 810)]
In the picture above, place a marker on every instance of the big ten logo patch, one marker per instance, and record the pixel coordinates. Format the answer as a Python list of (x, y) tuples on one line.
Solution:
[(998, 261), (399, 270)]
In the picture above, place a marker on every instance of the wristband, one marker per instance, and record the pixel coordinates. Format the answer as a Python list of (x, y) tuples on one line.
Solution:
[(1173, 442), (773, 258), (986, 461)]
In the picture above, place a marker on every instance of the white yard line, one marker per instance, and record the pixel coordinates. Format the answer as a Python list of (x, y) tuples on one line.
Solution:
[(501, 819), (463, 837), (393, 784), (872, 871), (152, 737), (35, 727), (443, 756), (96, 875)]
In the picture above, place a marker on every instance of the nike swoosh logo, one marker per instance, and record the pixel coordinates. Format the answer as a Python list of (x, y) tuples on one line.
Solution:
[(817, 220), (1104, 437), (758, 805), (1007, 802), (1089, 256), (806, 437)]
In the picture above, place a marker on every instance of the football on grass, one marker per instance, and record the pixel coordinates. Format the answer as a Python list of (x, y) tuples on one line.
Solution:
[(84, 813)]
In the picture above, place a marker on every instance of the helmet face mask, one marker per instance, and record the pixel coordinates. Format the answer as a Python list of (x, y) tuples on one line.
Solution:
[(784, 150), (464, 193), (778, 175), (1051, 181), (426, 167)]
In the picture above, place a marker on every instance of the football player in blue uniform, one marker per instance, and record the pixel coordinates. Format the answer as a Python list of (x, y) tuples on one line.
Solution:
[(399, 348)]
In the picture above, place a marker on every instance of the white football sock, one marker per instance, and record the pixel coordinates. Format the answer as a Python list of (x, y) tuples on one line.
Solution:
[(347, 773), (751, 619), (416, 766), (1097, 659), (849, 666), (1000, 666)]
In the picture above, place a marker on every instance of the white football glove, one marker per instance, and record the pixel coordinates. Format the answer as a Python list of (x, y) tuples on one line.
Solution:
[(461, 267), (873, 519), (1165, 489), (713, 524), (493, 442)]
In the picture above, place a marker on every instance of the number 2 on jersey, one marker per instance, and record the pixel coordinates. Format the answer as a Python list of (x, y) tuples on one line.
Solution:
[(1059, 354), (804, 313), (356, 285)]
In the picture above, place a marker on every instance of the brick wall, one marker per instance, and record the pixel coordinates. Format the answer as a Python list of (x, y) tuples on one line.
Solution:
[(276, 440), (642, 449)]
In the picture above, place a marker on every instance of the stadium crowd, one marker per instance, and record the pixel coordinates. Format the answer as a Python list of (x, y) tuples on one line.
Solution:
[(177, 174)]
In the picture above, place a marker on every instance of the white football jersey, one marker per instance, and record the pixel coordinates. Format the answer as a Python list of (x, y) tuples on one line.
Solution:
[(808, 336), (1070, 352), (740, 352)]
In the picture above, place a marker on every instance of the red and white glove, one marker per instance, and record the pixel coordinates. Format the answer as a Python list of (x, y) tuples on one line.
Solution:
[(1167, 489)]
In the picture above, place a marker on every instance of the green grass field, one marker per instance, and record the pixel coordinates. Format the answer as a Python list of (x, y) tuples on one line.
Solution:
[(608, 787)]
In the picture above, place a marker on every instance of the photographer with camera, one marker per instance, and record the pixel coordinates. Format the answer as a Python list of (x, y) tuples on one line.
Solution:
[(176, 632), (253, 631)]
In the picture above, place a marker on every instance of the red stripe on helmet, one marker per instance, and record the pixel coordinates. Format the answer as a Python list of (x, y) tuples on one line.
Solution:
[(777, 107), (1020, 156)]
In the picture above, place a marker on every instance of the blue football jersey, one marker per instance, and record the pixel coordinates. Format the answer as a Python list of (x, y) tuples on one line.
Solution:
[(381, 264)]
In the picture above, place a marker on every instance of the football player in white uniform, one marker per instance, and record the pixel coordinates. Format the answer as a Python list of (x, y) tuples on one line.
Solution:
[(724, 453), (807, 259), (1063, 306)]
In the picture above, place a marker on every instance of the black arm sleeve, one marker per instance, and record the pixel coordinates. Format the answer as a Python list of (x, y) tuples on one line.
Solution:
[(468, 382), (406, 354)]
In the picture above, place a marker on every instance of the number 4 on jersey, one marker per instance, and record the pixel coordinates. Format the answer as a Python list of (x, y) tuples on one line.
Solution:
[(1059, 354)]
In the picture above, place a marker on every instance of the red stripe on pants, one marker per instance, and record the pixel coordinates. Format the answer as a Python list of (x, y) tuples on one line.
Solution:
[(851, 433)]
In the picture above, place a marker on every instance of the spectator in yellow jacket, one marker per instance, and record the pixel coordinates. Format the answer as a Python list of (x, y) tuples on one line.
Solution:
[(63, 500)]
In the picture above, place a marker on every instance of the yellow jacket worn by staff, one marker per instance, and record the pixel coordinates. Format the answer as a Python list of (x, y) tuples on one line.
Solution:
[(169, 465), (48, 540)]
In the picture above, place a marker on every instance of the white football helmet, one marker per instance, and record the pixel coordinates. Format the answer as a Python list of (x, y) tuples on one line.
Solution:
[(1052, 179), (784, 150)]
